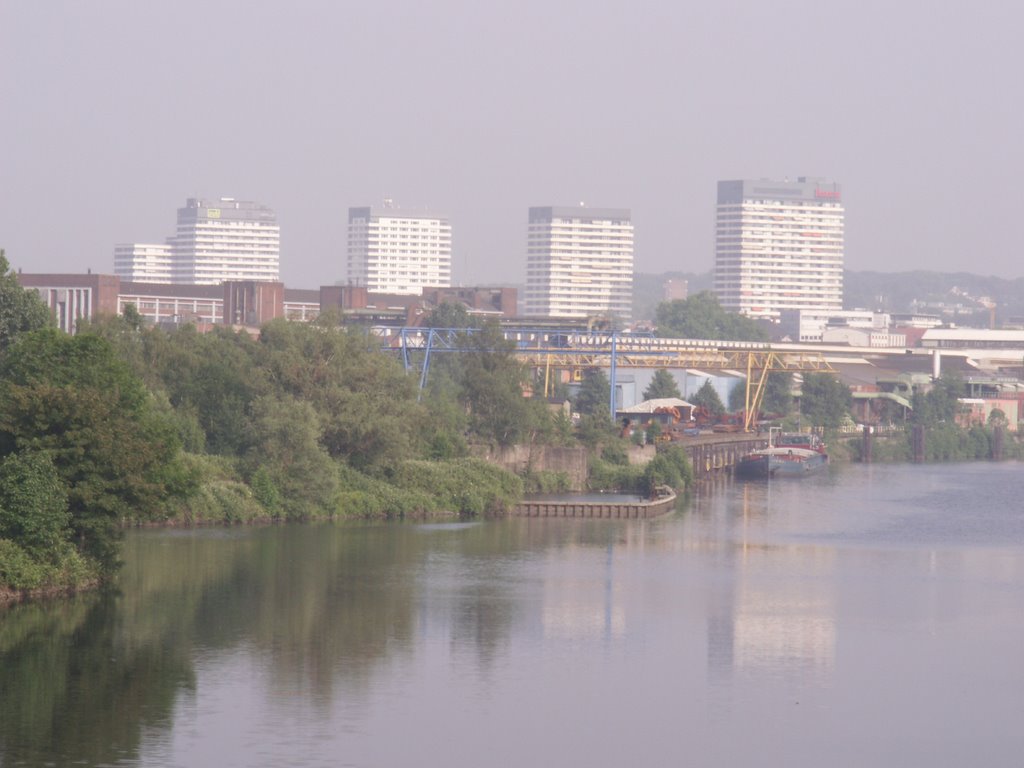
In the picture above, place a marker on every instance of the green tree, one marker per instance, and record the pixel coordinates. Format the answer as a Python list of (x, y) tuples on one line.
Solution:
[(492, 383), (824, 400), (997, 418), (447, 418), (450, 314), (594, 394), (209, 378), (265, 491), (944, 395), (132, 317), (33, 504), (124, 332), (707, 398), (595, 429), (939, 404), (21, 310), (702, 317), (662, 385), (778, 394), (72, 398), (295, 472), (365, 402), (670, 467)]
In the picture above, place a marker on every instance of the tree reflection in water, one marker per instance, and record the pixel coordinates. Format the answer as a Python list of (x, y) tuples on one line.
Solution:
[(83, 679)]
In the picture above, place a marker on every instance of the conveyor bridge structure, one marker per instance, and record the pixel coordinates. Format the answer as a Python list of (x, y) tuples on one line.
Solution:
[(551, 350)]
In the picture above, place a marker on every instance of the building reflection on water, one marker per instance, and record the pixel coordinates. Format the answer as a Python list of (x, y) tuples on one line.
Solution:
[(771, 609), (575, 605), (778, 614)]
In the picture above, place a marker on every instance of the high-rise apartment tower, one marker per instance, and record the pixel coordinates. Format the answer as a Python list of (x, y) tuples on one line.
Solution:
[(225, 239), (579, 262), (779, 246), (398, 251)]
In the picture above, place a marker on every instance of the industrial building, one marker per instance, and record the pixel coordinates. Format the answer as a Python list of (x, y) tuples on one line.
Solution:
[(76, 297)]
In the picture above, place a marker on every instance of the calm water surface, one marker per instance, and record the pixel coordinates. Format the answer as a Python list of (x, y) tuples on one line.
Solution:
[(873, 616)]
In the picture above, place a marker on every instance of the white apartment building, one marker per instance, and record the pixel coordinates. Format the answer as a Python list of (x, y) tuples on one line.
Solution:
[(143, 262), (779, 246), (579, 262), (397, 251), (225, 239)]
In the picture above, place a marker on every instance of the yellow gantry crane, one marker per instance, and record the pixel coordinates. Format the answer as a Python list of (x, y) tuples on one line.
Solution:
[(757, 360)]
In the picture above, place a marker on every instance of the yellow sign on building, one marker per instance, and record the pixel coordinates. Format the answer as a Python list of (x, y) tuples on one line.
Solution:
[(213, 213)]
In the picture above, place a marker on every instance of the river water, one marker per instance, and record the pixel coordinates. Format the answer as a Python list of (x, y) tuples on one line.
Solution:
[(871, 616)]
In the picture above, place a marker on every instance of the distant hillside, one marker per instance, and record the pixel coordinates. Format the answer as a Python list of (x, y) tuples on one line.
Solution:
[(959, 297), (648, 290)]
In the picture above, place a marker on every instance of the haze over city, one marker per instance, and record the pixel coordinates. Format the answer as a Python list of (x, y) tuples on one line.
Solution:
[(115, 112)]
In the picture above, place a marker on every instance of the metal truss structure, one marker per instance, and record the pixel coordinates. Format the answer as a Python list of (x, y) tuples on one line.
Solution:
[(547, 350)]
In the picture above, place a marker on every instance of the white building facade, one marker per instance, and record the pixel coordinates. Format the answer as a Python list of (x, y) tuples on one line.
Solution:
[(397, 251), (225, 239), (579, 263), (143, 262), (809, 325), (864, 337), (779, 245)]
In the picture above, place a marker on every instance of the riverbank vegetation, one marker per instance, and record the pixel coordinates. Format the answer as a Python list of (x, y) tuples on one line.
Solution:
[(612, 471), (124, 424), (941, 442), (935, 416)]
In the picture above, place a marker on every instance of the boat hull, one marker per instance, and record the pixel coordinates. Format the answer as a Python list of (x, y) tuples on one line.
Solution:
[(781, 463), (753, 466)]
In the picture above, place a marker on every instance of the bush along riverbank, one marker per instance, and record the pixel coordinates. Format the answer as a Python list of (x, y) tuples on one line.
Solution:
[(40, 556), (939, 442), (612, 471)]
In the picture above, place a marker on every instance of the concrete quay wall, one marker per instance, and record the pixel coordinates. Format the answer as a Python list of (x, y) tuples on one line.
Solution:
[(640, 510), (540, 458), (713, 457), (710, 456)]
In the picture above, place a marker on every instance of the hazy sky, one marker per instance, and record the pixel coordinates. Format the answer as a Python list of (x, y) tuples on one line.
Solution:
[(113, 112)]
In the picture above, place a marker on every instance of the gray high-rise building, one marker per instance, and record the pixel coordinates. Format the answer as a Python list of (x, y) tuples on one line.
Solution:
[(779, 246)]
